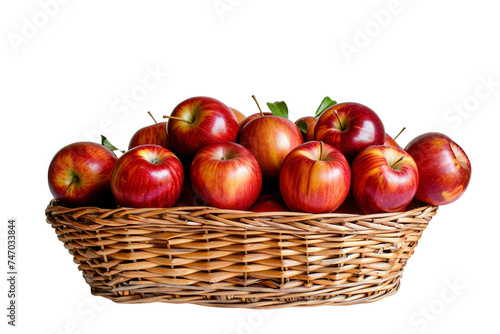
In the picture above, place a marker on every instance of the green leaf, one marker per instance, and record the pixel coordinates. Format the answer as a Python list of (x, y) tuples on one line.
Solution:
[(278, 108), (302, 125), (325, 104), (105, 142)]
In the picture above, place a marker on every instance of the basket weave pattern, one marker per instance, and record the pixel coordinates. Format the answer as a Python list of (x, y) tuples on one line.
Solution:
[(225, 258)]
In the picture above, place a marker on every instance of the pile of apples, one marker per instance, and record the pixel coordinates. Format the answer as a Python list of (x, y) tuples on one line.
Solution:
[(339, 160)]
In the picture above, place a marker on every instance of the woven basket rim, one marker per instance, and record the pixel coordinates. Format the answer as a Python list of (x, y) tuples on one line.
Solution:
[(203, 217)]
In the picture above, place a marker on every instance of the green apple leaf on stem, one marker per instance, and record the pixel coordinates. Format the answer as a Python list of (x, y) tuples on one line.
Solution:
[(105, 142), (325, 104), (278, 108)]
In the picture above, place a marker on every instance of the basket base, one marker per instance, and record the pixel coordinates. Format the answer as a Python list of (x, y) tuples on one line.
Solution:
[(251, 298)]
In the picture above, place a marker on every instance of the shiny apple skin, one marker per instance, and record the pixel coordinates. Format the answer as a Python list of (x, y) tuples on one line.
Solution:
[(315, 180), (155, 134), (92, 165), (270, 139), (361, 128), (212, 122), (147, 176), (445, 169), (249, 118), (226, 175), (382, 184)]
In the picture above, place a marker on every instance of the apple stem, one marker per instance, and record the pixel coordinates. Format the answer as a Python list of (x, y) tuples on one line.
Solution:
[(402, 157), (150, 114), (75, 178), (340, 122), (177, 119), (255, 99), (320, 150), (404, 128)]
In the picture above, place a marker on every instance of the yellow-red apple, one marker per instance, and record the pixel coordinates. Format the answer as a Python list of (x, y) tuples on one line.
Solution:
[(80, 173), (226, 175), (350, 127), (444, 168), (384, 179), (315, 178), (199, 121), (147, 176)]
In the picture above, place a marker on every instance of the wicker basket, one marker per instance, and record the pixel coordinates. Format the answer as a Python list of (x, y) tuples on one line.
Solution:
[(224, 258)]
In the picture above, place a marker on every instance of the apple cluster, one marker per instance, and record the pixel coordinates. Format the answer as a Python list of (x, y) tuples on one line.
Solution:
[(206, 153)]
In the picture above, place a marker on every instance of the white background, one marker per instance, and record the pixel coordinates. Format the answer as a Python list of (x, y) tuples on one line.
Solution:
[(68, 67)]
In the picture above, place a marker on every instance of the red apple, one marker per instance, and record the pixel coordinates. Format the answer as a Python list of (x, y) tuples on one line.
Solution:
[(269, 203), (384, 179), (155, 134), (80, 174), (239, 116), (350, 127), (253, 116), (226, 175), (315, 178), (270, 139), (199, 121), (147, 176), (444, 168)]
